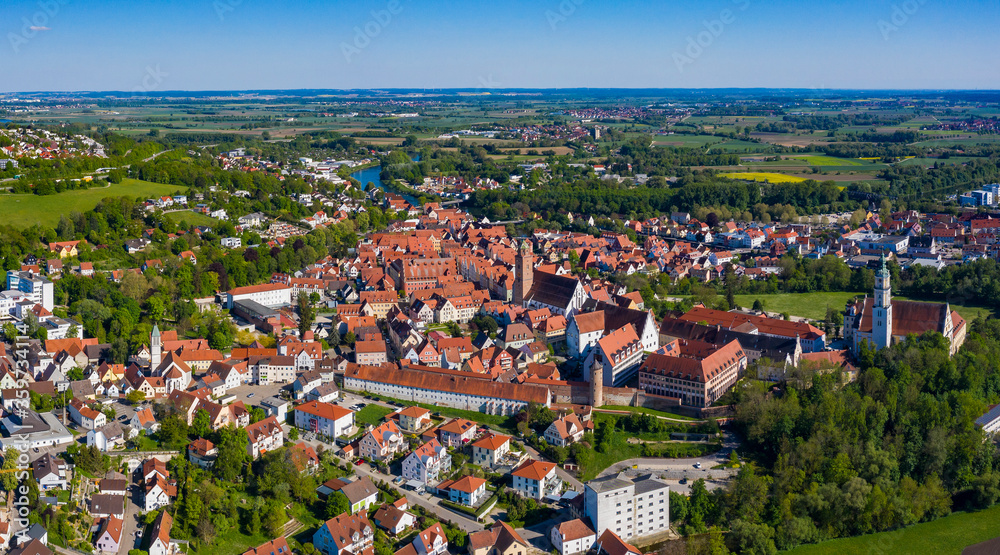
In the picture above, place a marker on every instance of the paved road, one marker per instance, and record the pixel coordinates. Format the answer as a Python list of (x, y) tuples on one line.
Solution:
[(132, 500), (426, 500)]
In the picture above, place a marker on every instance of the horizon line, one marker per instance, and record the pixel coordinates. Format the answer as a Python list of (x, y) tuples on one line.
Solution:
[(492, 91)]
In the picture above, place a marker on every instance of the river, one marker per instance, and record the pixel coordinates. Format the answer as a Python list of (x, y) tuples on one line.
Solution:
[(372, 175)]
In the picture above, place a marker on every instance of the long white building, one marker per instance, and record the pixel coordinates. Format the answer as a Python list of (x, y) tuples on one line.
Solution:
[(627, 507), (268, 294), (35, 287), (446, 389)]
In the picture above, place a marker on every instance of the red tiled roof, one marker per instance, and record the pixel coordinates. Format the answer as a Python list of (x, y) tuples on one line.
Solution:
[(492, 442), (324, 410), (534, 470)]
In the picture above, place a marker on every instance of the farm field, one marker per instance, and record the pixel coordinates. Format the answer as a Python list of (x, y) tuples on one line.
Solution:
[(686, 140), (944, 536), (954, 160), (985, 140), (764, 176), (787, 139), (826, 160), (26, 210)]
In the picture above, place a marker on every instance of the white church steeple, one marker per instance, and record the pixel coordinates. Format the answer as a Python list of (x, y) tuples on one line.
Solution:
[(882, 309)]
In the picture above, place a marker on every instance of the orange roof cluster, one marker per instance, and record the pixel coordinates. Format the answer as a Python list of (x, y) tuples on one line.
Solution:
[(697, 361)]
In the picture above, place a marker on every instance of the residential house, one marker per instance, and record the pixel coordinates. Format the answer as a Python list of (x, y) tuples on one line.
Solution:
[(574, 536), (109, 535), (468, 490), (49, 472), (414, 419), (277, 546), (536, 479), (490, 451), (202, 452), (456, 432), (382, 443), (348, 534), (426, 463), (394, 518), (265, 436), (158, 493), (362, 493), (85, 416), (160, 542), (103, 505), (324, 419), (499, 539), (565, 430)]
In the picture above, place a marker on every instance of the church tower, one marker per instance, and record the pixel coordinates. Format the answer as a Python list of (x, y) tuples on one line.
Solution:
[(524, 272), (882, 309), (155, 348)]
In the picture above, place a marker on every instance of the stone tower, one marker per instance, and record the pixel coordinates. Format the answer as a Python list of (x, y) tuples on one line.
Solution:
[(597, 382), (155, 347), (524, 272), (882, 309)]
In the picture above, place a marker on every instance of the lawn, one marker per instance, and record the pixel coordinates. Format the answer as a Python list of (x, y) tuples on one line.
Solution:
[(26, 210), (805, 305), (948, 535), (192, 218), (653, 412), (501, 423), (371, 414), (764, 176), (813, 305), (593, 462), (231, 542)]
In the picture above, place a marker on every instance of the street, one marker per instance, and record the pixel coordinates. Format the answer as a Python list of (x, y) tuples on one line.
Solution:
[(133, 499)]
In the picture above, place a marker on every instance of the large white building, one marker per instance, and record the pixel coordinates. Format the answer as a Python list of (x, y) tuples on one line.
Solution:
[(324, 418), (627, 507), (35, 287), (268, 294), (445, 389)]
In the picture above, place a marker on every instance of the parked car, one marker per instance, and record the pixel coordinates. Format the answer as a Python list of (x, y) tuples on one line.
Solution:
[(250, 395)]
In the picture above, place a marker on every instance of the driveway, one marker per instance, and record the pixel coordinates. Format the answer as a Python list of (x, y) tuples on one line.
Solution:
[(538, 535)]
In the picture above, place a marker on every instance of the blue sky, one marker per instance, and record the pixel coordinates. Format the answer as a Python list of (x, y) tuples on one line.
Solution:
[(77, 45)]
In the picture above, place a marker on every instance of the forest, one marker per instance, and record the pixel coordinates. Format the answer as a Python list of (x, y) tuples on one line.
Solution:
[(827, 459)]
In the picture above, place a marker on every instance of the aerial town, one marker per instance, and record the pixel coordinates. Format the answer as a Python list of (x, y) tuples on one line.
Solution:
[(491, 320)]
